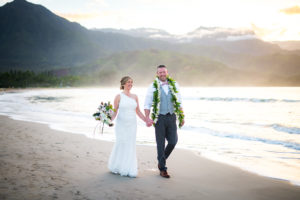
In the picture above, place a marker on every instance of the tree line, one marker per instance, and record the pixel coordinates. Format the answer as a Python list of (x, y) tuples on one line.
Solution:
[(23, 79)]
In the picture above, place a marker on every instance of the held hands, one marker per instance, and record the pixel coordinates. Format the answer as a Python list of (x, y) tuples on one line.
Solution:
[(149, 122)]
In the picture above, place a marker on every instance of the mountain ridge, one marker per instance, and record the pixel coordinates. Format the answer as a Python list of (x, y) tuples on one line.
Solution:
[(36, 39)]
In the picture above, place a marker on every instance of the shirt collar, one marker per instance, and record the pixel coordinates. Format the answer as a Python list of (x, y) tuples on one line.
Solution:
[(163, 83)]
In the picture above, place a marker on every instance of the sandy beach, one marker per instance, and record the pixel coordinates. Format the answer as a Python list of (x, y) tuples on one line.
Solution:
[(37, 162)]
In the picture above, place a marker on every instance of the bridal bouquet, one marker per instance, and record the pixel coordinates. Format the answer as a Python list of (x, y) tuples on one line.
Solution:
[(104, 114)]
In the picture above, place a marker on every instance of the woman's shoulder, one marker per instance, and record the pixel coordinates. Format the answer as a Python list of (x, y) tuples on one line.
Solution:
[(118, 96), (134, 96)]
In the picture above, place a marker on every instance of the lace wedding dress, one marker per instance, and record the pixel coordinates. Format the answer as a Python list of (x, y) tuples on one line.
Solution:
[(123, 157)]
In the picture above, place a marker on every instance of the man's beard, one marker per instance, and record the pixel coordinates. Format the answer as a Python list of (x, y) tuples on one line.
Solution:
[(163, 78)]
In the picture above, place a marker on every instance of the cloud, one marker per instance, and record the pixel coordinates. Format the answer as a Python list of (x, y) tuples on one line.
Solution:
[(278, 33), (221, 33), (261, 32), (78, 16), (291, 11), (241, 37), (101, 3), (2, 2)]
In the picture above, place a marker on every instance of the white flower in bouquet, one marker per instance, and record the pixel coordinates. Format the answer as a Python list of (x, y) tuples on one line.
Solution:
[(104, 114)]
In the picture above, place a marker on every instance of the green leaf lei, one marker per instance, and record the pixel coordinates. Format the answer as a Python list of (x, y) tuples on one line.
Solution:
[(156, 101)]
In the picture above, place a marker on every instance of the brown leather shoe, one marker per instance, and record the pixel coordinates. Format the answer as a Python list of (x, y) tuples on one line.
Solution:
[(164, 174)]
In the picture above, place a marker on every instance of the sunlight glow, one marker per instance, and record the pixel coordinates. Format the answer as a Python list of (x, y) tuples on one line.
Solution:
[(270, 20)]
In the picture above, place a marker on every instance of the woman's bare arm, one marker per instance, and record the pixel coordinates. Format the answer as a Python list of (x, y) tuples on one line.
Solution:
[(138, 111), (116, 107)]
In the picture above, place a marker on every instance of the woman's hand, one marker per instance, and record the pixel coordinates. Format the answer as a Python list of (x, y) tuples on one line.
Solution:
[(149, 122), (116, 107)]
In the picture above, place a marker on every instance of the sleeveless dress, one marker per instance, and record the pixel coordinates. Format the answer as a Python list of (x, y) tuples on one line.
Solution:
[(123, 159)]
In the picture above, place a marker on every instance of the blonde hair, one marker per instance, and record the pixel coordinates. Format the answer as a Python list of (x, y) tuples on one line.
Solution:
[(123, 81)]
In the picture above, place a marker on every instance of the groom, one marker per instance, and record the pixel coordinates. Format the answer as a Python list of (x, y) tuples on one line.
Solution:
[(165, 126)]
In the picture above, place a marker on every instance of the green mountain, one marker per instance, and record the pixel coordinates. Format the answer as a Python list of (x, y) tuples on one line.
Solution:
[(289, 45), (249, 54), (187, 69), (280, 64), (32, 37)]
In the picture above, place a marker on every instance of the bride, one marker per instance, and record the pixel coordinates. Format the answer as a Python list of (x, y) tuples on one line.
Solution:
[(123, 156)]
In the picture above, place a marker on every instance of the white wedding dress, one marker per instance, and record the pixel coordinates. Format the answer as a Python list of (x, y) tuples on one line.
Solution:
[(123, 159)]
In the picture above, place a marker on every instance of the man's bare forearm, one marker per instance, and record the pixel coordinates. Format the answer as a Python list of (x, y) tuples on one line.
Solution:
[(147, 113)]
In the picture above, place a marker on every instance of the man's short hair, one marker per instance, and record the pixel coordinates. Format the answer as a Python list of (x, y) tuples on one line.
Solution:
[(161, 66)]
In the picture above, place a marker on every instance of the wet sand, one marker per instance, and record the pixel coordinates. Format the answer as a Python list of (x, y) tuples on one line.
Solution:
[(37, 162)]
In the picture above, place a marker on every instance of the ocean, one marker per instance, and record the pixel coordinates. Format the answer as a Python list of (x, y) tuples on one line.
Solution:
[(253, 128)]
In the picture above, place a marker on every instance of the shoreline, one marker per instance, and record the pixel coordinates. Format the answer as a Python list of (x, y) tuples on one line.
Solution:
[(240, 165), (41, 163), (194, 151)]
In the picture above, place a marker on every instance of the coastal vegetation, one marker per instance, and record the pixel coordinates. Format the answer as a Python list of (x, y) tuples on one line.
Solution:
[(23, 79)]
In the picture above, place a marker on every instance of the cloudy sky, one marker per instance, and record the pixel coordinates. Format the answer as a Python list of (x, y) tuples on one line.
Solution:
[(270, 19)]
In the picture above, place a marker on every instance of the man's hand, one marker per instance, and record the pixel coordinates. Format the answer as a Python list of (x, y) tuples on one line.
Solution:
[(149, 122), (182, 123)]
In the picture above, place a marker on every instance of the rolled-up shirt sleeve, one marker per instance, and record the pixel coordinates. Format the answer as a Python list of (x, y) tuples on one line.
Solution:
[(149, 97)]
